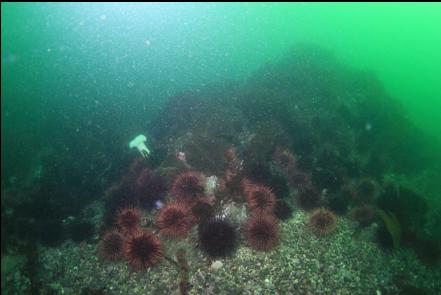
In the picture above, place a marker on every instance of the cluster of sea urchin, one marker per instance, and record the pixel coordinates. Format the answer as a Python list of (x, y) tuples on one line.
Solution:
[(217, 237), (141, 250), (140, 247), (261, 229)]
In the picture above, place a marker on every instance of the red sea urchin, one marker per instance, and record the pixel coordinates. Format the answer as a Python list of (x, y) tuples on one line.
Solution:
[(143, 250), (128, 220), (322, 222), (174, 220), (262, 232), (187, 187), (261, 199), (111, 246)]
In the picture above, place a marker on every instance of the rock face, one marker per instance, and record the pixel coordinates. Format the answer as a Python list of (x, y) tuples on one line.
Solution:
[(335, 118)]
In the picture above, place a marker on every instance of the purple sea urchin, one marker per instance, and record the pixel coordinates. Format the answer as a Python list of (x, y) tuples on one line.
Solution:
[(217, 237)]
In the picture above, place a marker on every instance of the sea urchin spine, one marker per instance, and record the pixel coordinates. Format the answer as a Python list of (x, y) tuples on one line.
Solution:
[(322, 222), (143, 250), (217, 237), (128, 220), (261, 199), (111, 246), (174, 220), (262, 232), (187, 187)]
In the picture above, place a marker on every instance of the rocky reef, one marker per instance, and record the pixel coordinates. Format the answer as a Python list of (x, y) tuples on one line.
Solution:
[(299, 180)]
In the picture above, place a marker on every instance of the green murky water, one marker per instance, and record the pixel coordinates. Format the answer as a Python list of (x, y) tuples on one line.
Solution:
[(56, 56)]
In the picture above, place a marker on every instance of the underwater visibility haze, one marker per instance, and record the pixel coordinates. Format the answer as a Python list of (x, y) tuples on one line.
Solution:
[(220, 148)]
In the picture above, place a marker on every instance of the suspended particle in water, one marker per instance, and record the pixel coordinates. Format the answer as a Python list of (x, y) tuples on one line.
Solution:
[(368, 127)]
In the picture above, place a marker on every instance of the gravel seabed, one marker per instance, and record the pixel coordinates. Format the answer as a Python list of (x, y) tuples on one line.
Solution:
[(346, 262)]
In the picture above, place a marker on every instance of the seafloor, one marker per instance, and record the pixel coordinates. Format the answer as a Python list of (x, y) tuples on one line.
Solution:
[(343, 263), (307, 131)]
